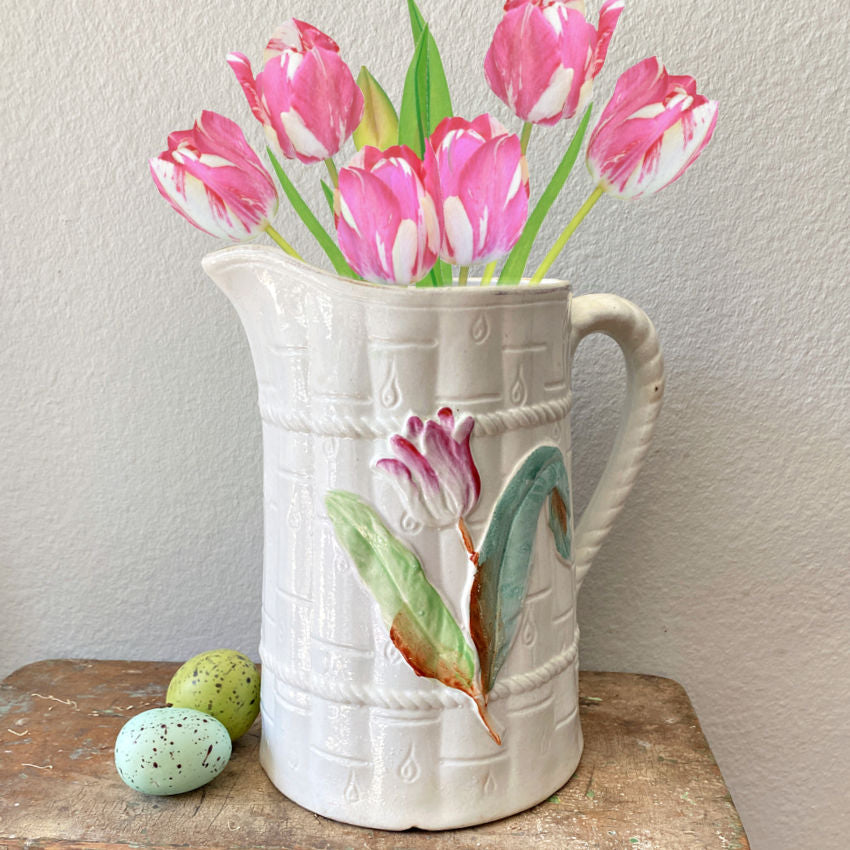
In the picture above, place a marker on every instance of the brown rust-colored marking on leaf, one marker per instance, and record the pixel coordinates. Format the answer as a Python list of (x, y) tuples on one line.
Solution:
[(559, 509), (421, 657), (481, 635), (481, 705), (425, 662)]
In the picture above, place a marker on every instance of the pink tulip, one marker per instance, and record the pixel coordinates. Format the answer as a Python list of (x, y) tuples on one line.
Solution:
[(483, 188), (385, 216), (544, 56), (652, 129), (578, 5), (433, 469), (305, 97), (210, 175)]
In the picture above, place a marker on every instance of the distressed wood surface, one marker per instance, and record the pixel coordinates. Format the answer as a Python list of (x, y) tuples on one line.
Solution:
[(647, 778)]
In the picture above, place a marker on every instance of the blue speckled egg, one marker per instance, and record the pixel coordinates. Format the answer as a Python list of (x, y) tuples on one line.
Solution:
[(171, 750)]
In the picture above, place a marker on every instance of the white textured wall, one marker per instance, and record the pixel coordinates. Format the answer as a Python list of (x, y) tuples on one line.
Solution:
[(130, 469)]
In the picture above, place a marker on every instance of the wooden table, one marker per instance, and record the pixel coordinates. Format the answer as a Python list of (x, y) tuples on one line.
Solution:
[(647, 778)]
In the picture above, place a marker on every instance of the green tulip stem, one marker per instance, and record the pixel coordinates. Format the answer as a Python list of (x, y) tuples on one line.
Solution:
[(565, 236), (332, 171), (526, 135), (282, 242), (489, 271), (462, 275)]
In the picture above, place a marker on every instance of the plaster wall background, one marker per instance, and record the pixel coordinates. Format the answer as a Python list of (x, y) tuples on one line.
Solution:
[(130, 460)]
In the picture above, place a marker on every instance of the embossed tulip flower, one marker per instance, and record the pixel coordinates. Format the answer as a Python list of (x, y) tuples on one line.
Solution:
[(213, 178), (652, 129), (386, 220), (545, 55), (305, 97), (433, 470), (483, 188)]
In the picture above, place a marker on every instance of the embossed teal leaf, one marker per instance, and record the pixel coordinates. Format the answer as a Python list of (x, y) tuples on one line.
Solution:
[(514, 267), (504, 559), (421, 626)]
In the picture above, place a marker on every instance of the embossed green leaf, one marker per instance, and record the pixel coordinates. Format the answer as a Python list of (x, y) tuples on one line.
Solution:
[(501, 579), (421, 626)]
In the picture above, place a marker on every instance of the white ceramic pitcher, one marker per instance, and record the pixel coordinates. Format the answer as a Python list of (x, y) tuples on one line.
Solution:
[(381, 660)]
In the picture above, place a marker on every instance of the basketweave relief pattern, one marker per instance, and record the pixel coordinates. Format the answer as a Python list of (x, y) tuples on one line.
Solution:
[(336, 689)]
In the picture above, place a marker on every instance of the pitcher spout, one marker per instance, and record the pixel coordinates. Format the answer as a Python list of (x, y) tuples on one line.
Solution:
[(268, 288), (260, 281)]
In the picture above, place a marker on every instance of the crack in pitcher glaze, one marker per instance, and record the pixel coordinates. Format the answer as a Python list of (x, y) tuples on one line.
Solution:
[(421, 566)]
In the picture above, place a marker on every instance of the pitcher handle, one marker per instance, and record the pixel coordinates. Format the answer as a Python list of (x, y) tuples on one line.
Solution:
[(632, 330)]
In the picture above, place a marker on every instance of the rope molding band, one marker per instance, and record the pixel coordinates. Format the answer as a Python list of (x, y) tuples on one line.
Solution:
[(486, 424), (415, 700)]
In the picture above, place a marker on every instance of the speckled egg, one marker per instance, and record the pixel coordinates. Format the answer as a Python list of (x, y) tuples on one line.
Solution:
[(171, 750), (223, 683)]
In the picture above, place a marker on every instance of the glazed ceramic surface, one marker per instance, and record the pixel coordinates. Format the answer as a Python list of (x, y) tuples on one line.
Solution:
[(419, 637)]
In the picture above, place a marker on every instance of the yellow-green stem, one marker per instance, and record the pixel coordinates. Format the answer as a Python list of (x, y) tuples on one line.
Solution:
[(489, 271), (332, 171), (462, 275), (565, 236), (282, 242), (526, 135)]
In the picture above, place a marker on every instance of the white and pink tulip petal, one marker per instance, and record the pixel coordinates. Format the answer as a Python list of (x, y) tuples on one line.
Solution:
[(609, 15), (545, 55), (482, 181), (305, 97), (241, 67), (433, 469), (522, 59), (410, 495), (212, 177), (653, 128), (298, 36), (386, 218)]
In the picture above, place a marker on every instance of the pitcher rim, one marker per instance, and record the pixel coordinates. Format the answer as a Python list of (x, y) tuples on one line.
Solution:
[(246, 252)]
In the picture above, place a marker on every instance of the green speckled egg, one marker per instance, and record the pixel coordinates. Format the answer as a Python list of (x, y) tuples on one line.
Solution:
[(171, 750), (223, 683)]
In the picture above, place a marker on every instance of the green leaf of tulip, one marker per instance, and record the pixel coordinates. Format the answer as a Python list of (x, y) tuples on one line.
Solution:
[(312, 223), (328, 192), (379, 125), (417, 22), (514, 267), (426, 100)]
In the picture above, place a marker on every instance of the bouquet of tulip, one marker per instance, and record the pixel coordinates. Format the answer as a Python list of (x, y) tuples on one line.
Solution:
[(427, 190)]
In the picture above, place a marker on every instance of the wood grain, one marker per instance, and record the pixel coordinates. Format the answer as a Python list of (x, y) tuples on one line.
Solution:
[(647, 778)]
